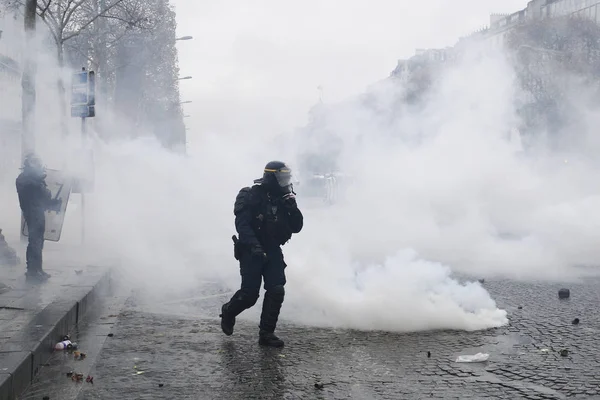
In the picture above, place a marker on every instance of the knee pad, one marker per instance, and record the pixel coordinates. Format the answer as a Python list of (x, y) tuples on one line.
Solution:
[(277, 292), (247, 298)]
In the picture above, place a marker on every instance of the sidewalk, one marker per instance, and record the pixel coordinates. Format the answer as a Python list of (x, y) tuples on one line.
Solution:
[(33, 318)]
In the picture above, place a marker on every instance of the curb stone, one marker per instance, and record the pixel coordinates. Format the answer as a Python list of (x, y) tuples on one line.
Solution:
[(21, 357)]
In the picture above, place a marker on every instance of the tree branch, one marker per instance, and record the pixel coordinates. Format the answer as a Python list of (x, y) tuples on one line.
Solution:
[(92, 20), (42, 14), (64, 13), (116, 39), (77, 49), (130, 23), (52, 27), (43, 10)]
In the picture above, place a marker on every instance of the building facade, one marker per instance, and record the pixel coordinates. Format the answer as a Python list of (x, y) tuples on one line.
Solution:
[(495, 34), (500, 24), (10, 95)]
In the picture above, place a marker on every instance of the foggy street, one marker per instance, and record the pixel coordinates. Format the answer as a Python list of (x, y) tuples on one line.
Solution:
[(411, 187), (161, 356)]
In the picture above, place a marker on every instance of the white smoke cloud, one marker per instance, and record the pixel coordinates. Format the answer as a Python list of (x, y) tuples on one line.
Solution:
[(437, 190)]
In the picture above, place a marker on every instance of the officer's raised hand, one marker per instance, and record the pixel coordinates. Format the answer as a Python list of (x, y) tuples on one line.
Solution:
[(296, 219), (289, 200)]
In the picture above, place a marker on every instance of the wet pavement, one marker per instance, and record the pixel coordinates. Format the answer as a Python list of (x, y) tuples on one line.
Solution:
[(55, 380), (155, 355), (22, 300), (34, 316)]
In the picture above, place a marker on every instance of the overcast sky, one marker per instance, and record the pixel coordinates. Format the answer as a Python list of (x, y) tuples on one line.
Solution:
[(257, 64)]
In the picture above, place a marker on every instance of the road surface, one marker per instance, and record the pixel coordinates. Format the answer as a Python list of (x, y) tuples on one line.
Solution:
[(162, 356)]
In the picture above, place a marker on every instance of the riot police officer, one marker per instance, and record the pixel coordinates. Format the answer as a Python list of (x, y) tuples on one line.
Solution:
[(266, 216), (34, 199)]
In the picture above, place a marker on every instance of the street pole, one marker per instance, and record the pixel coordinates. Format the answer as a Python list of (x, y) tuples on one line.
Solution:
[(28, 87), (83, 142), (83, 101), (28, 98)]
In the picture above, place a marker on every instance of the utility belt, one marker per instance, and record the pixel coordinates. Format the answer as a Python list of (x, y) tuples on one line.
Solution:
[(239, 248)]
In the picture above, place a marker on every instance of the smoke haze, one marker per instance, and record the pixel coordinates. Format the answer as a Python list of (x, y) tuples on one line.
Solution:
[(439, 189)]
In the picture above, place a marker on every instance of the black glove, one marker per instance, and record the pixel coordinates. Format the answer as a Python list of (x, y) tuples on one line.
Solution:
[(258, 253), (289, 200)]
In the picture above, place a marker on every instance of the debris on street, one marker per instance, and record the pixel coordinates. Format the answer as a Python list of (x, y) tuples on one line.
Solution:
[(479, 357), (77, 377), (64, 345), (564, 352)]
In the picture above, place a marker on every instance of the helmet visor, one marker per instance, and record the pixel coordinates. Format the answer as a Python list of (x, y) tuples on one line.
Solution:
[(284, 177)]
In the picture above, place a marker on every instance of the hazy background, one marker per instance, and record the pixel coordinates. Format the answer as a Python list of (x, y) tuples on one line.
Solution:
[(438, 189), (263, 61)]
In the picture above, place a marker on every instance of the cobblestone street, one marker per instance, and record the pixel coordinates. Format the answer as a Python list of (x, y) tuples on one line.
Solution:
[(154, 356)]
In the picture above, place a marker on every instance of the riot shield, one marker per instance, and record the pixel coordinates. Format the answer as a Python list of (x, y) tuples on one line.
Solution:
[(60, 187)]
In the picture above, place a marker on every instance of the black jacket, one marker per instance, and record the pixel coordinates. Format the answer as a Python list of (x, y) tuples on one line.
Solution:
[(261, 219), (34, 196)]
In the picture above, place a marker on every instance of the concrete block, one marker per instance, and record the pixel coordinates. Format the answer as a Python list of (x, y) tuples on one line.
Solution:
[(18, 366)]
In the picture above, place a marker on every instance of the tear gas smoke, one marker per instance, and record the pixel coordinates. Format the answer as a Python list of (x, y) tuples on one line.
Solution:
[(437, 189)]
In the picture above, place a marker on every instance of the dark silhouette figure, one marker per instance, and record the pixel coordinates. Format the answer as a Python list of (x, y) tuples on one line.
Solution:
[(266, 216), (35, 199)]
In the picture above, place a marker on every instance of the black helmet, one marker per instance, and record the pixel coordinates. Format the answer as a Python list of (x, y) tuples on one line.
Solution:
[(277, 176)]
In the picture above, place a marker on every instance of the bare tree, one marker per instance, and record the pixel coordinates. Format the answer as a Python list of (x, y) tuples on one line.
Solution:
[(147, 88), (97, 46), (69, 19), (131, 46)]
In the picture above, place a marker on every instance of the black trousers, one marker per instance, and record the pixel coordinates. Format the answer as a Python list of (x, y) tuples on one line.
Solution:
[(36, 226), (253, 271)]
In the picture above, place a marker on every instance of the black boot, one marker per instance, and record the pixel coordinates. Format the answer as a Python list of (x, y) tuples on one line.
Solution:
[(270, 314), (227, 320), (269, 339), (36, 276), (240, 301)]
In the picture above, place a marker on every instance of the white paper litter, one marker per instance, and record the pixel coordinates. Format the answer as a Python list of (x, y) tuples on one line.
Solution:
[(479, 357)]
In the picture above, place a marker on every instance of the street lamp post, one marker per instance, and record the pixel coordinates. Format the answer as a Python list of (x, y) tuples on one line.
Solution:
[(184, 102), (28, 98)]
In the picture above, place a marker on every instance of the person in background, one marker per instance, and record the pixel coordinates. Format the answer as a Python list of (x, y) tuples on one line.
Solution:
[(8, 255), (266, 216), (8, 258), (35, 199)]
